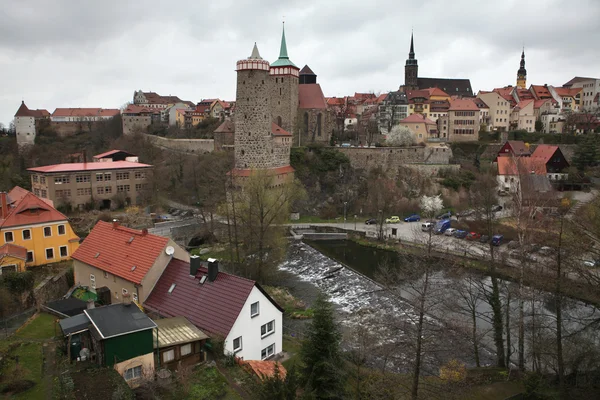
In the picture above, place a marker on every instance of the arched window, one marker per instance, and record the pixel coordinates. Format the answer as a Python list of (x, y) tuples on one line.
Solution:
[(319, 124), (305, 122), (279, 121)]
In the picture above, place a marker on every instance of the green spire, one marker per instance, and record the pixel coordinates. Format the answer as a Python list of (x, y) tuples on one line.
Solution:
[(283, 60)]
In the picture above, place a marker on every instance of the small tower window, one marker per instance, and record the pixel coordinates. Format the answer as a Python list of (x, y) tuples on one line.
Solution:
[(242, 152), (263, 82), (279, 121), (280, 91)]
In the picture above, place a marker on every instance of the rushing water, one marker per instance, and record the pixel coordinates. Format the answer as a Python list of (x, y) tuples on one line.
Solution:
[(348, 273)]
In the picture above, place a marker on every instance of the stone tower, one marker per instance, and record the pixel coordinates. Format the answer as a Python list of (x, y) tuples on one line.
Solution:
[(522, 73), (411, 68), (284, 89), (253, 139), (25, 126)]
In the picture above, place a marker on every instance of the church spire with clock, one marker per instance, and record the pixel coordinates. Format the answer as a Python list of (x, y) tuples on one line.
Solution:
[(522, 73), (411, 68)]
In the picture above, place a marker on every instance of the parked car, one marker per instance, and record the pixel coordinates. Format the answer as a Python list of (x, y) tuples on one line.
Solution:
[(465, 213), (496, 208), (516, 254), (590, 263), (460, 234), (426, 226), (545, 250), (442, 226), (392, 220), (445, 215), (412, 218), (450, 231), (512, 244), (473, 236), (484, 239), (371, 221), (497, 240)]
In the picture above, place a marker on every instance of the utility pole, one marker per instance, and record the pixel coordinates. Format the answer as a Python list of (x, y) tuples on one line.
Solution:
[(345, 214)]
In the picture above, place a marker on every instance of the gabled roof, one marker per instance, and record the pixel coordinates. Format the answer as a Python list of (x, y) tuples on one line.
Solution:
[(413, 94), (276, 130), (136, 109), (226, 127), (23, 111), (544, 152), (577, 79), (336, 101), (539, 103), (520, 166), (437, 92), (111, 152), (124, 252), (524, 103), (12, 250), (518, 148), (93, 166), (211, 306), (567, 92), (462, 105), (506, 93), (85, 112), (176, 331), (480, 103), (306, 71), (119, 319), (540, 92), (310, 96), (417, 118), (29, 210), (460, 87)]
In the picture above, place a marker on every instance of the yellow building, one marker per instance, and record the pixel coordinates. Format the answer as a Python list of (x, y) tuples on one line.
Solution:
[(180, 117), (32, 232)]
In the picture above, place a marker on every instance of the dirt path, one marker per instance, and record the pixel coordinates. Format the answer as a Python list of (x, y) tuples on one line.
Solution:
[(49, 367), (243, 394)]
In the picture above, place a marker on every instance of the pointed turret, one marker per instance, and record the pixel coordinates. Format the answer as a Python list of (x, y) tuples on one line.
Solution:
[(411, 68), (411, 54), (255, 54), (522, 73), (283, 60), (23, 111)]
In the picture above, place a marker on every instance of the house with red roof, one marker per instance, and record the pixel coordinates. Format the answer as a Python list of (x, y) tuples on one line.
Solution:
[(522, 116), (230, 307), (32, 232), (553, 160), (26, 122), (125, 260), (107, 184), (422, 127), (514, 148), (519, 175), (462, 122)]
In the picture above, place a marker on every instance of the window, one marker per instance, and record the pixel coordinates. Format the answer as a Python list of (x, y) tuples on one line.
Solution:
[(61, 179), (92, 281), (105, 275), (133, 373), (107, 176), (47, 231), (185, 349), (99, 177), (140, 175), (84, 191), (168, 355), (44, 193), (62, 193), (61, 230), (82, 178), (35, 178), (267, 352), (121, 176), (124, 291), (108, 189), (254, 309), (142, 186), (8, 237), (237, 344), (123, 188), (36, 191), (42, 179), (100, 190), (135, 297), (64, 252), (267, 328), (29, 257), (49, 253)]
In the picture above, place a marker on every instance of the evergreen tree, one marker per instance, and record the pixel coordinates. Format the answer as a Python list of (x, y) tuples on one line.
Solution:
[(322, 366), (586, 153), (539, 125), (278, 388)]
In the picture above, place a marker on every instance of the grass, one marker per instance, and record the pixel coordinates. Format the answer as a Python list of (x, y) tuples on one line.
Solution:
[(291, 345), (208, 384), (312, 219), (293, 307), (29, 368), (42, 327)]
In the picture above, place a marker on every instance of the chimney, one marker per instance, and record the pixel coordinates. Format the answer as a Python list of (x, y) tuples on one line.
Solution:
[(4, 205), (213, 269), (194, 265), (126, 299), (144, 232), (90, 304), (84, 156), (115, 223)]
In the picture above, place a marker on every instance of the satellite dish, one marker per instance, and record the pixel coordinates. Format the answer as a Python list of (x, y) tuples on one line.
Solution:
[(170, 250)]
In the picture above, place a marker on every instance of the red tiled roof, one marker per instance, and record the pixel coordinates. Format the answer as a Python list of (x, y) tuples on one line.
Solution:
[(437, 92), (524, 94), (85, 112), (524, 103), (462, 105), (226, 127), (336, 101), (480, 103), (520, 166), (539, 103), (544, 152), (412, 94), (212, 306), (111, 152), (91, 166), (310, 96), (23, 111), (363, 96), (13, 250), (16, 194), (29, 209), (414, 118), (505, 93), (540, 92), (266, 368), (276, 130), (111, 249), (518, 148), (306, 71), (270, 171), (135, 109), (567, 92)]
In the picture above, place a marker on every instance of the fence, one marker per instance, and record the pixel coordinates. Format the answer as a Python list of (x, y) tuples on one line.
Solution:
[(9, 325)]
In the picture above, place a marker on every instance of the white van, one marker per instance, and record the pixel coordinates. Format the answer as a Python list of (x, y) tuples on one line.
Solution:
[(426, 226)]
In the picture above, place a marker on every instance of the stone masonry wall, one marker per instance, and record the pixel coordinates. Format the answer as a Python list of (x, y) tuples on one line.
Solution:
[(283, 93), (391, 158), (196, 146)]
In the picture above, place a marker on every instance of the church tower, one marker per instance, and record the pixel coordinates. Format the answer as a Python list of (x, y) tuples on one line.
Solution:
[(284, 89), (253, 142), (411, 68), (522, 73)]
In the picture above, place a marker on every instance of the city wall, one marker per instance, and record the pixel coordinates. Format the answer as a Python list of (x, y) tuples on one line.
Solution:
[(196, 146), (426, 159)]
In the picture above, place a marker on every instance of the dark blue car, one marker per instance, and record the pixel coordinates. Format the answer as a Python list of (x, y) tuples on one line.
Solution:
[(412, 218), (460, 234)]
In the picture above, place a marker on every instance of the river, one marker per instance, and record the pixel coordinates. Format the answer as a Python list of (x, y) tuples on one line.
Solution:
[(384, 318)]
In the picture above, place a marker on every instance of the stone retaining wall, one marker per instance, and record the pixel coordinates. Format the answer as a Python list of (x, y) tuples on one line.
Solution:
[(391, 158), (196, 146)]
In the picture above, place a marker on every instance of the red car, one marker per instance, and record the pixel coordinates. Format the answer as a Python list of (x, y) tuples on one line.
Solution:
[(473, 236)]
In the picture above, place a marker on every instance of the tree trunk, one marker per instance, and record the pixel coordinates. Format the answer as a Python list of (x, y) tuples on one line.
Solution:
[(508, 344), (475, 340), (418, 350), (558, 300), (497, 320)]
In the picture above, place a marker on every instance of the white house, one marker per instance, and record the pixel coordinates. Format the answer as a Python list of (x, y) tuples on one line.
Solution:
[(225, 306)]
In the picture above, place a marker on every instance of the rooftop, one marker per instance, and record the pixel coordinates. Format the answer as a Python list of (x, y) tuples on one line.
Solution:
[(29, 209), (119, 319), (310, 96), (177, 330), (12, 250), (113, 152), (74, 324), (85, 112), (520, 166), (417, 118), (67, 307), (122, 251), (452, 86), (91, 166)]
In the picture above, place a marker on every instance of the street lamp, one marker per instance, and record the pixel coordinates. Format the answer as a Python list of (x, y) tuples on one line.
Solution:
[(380, 224), (355, 222), (345, 214)]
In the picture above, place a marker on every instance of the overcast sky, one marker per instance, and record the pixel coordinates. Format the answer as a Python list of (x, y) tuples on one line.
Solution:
[(64, 53)]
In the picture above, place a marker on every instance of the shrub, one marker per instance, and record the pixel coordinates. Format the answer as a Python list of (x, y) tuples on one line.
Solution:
[(454, 371), (18, 282)]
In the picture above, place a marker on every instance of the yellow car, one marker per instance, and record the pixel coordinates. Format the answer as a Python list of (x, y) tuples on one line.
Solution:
[(392, 220)]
